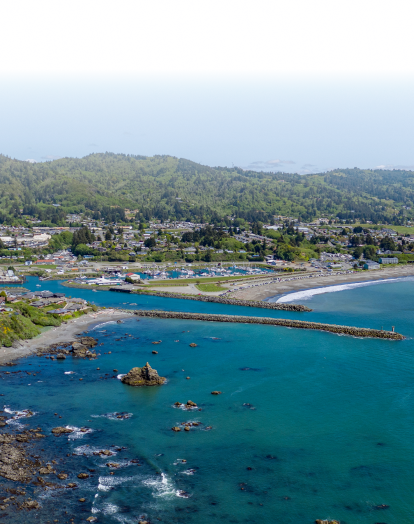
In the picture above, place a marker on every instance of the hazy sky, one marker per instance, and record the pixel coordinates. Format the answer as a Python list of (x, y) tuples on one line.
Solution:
[(283, 85)]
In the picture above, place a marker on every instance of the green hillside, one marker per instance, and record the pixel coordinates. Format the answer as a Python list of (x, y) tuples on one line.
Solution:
[(165, 187)]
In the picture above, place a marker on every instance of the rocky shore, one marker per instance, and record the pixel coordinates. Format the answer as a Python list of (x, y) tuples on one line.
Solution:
[(65, 333), (299, 324), (222, 300)]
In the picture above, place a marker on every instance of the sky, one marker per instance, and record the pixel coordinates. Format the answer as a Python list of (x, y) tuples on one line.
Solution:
[(298, 86)]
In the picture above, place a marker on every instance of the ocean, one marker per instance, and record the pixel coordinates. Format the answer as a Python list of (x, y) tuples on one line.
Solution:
[(309, 425)]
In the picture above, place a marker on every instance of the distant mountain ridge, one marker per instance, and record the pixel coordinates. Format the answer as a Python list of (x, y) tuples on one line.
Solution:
[(176, 188)]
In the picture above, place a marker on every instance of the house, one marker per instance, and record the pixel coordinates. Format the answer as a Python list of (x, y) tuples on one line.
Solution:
[(370, 264), (28, 263), (389, 260), (57, 312)]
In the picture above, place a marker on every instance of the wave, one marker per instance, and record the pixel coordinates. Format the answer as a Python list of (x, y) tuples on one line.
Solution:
[(309, 293)]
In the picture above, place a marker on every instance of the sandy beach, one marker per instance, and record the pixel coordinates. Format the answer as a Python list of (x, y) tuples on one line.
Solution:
[(64, 333), (290, 284)]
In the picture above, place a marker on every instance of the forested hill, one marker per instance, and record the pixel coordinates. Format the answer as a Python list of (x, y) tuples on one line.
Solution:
[(164, 187)]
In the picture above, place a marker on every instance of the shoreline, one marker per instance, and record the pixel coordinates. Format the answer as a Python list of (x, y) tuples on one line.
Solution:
[(277, 289), (63, 333)]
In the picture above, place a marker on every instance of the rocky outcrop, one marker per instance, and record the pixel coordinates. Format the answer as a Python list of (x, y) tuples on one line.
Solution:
[(60, 430), (216, 392), (145, 376), (319, 521), (81, 350), (286, 322), (13, 464), (89, 342)]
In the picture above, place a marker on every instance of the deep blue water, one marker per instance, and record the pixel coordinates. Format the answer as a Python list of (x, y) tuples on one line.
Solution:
[(325, 422)]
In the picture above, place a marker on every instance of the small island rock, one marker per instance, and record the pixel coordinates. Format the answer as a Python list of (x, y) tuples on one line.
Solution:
[(61, 430), (145, 376)]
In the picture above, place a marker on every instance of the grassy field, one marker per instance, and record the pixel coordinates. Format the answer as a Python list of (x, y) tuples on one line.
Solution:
[(210, 287), (187, 281), (403, 230)]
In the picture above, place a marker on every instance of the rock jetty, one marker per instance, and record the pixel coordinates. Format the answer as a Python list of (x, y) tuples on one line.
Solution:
[(219, 300), (145, 376), (286, 322)]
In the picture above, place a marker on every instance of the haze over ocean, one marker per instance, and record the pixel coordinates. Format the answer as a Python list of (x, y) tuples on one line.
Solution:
[(293, 123)]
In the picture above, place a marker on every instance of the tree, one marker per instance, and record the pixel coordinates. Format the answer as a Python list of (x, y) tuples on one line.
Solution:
[(82, 236), (150, 242), (108, 235)]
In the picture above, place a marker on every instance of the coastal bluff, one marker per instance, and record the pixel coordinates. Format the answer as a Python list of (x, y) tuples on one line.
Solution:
[(284, 322)]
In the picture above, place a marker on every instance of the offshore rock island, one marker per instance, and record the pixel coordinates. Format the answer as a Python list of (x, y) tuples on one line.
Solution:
[(145, 376)]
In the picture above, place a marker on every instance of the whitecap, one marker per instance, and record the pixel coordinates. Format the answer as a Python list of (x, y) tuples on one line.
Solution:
[(162, 486), (69, 372), (90, 450), (309, 293), (102, 324), (120, 376), (77, 433), (107, 483), (114, 415), (17, 415)]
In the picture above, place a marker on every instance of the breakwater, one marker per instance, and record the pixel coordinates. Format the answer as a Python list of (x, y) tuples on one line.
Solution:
[(285, 322), (218, 300)]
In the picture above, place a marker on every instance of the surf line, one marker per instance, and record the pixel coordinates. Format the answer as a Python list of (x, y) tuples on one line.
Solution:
[(285, 322)]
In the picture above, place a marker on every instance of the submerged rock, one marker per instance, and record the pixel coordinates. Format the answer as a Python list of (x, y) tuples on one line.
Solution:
[(145, 376), (216, 392)]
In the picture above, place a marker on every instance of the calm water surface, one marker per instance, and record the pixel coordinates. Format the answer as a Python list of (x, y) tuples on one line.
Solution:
[(324, 423)]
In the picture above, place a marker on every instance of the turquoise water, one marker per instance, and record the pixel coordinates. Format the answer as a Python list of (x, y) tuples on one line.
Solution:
[(325, 422)]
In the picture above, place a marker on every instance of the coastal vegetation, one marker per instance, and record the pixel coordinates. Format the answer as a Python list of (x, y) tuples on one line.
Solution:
[(23, 321), (123, 188)]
